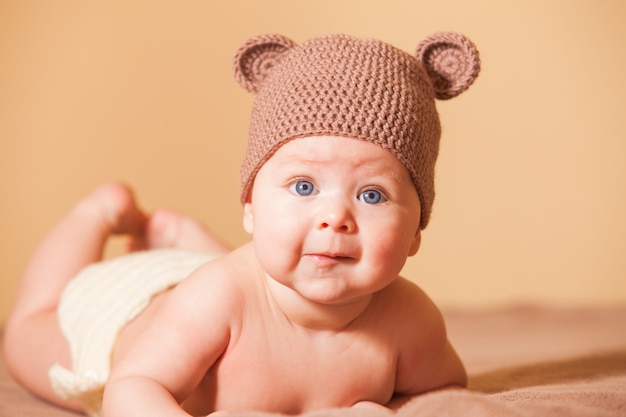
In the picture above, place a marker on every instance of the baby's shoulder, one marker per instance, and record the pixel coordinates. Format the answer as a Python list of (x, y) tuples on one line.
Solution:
[(405, 305), (228, 277), (406, 295)]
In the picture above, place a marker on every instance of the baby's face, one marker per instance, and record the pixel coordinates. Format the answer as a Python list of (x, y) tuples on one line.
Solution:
[(333, 218)]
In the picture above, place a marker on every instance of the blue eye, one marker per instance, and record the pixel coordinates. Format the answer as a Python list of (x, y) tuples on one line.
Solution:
[(303, 188), (371, 197)]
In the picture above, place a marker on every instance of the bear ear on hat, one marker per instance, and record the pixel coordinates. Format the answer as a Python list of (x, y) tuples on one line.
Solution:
[(451, 61), (254, 59)]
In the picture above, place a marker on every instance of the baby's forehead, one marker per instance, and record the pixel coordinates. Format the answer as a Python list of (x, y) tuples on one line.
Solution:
[(328, 151), (331, 148)]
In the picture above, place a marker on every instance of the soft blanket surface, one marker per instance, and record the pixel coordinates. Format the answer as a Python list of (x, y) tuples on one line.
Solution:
[(521, 362)]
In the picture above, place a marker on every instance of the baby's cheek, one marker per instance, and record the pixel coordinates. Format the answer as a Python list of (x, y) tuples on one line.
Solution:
[(393, 247)]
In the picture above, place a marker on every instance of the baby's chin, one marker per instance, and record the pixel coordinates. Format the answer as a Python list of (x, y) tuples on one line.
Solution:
[(329, 295)]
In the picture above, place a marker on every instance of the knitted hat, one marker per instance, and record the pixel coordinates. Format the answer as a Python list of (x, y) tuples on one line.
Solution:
[(357, 88)]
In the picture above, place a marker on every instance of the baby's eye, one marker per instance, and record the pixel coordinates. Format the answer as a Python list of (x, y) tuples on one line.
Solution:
[(303, 188), (372, 197)]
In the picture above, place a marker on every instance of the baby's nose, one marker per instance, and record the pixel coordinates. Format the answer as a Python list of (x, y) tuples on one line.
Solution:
[(337, 217)]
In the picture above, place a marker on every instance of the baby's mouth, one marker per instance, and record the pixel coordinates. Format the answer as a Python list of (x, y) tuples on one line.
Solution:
[(330, 258)]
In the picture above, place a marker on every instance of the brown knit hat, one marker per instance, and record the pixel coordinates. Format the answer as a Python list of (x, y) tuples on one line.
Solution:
[(358, 88)]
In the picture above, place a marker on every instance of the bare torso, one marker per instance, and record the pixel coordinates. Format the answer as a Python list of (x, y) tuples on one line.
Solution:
[(271, 364), (264, 370)]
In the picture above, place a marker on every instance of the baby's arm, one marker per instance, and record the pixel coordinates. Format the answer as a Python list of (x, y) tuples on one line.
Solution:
[(187, 335), (427, 361)]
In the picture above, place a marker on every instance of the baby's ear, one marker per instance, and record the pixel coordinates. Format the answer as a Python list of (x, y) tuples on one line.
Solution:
[(248, 218), (255, 59), (451, 61)]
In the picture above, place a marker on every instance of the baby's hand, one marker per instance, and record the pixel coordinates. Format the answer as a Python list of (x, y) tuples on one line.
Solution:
[(371, 405), (364, 405)]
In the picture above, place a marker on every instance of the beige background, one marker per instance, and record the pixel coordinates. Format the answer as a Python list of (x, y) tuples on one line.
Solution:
[(531, 180)]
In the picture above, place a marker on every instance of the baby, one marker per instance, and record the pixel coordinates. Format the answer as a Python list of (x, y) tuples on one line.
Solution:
[(337, 185)]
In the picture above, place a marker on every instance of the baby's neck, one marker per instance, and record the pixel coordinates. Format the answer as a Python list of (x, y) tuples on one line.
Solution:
[(313, 316)]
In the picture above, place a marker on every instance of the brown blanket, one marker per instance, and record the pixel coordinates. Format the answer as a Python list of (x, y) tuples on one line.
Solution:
[(522, 362)]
